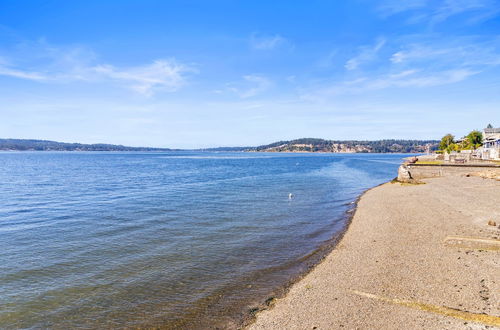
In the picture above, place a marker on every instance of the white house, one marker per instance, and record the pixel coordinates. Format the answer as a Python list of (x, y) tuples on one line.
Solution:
[(491, 143)]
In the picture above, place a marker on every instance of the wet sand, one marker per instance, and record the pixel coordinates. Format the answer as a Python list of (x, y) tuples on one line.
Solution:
[(414, 256)]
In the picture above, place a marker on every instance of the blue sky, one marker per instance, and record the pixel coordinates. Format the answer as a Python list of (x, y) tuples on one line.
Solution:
[(191, 74)]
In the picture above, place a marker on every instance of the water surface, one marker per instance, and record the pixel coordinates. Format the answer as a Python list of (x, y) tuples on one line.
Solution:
[(184, 239)]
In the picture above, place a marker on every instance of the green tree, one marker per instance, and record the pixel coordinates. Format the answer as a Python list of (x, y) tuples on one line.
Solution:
[(453, 147), (474, 139), (446, 142)]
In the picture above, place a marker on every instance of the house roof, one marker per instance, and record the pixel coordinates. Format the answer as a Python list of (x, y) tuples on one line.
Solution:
[(492, 130)]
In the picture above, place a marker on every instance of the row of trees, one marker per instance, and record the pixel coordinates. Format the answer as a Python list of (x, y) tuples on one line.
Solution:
[(42, 145), (378, 146), (472, 141)]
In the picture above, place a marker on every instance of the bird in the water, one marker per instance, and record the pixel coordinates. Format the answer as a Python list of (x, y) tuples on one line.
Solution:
[(290, 196)]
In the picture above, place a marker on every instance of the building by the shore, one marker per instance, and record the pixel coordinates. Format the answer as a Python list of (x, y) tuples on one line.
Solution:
[(491, 143)]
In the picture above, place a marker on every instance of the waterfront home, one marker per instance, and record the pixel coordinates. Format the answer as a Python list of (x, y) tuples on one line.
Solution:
[(491, 143)]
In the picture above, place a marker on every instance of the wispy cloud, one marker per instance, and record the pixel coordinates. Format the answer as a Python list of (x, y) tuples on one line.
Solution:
[(414, 78), (480, 9), (464, 51), (10, 72), (366, 54), (391, 7), (251, 86), (161, 75), (412, 63), (267, 42), (404, 79), (327, 61), (437, 11), (49, 64)]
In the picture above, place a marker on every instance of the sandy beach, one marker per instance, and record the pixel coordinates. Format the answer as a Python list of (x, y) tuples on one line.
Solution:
[(414, 257)]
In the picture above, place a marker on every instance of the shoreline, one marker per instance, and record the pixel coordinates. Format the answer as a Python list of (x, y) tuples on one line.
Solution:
[(391, 285), (245, 315), (307, 264)]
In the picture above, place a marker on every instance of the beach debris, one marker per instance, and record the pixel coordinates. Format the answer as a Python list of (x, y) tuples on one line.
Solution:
[(481, 318), (270, 301), (253, 311), (487, 174), (492, 223), (475, 243)]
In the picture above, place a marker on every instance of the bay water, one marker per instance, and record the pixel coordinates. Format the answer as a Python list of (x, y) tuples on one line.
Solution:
[(172, 240)]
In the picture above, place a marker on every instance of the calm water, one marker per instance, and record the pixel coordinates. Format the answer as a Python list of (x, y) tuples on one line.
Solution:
[(165, 239)]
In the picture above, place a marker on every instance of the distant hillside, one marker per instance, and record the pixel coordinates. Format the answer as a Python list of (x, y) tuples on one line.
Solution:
[(299, 145), (320, 145), (42, 145)]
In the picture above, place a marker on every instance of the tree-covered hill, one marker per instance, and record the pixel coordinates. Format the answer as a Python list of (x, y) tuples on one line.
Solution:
[(299, 145), (43, 145), (379, 146)]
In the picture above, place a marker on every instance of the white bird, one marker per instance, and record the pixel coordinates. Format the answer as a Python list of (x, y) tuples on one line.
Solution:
[(290, 196)]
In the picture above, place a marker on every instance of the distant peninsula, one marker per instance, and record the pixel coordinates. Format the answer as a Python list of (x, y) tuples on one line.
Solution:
[(352, 146), (43, 145), (299, 145)]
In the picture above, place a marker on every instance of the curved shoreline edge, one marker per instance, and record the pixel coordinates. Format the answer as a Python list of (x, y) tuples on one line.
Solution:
[(217, 314), (395, 268), (318, 256)]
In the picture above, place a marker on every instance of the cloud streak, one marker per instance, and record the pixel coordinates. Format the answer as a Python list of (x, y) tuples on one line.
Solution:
[(437, 11), (404, 79), (366, 55), (420, 62), (262, 42), (253, 85), (459, 53), (9, 72), (392, 7), (161, 75), (58, 65)]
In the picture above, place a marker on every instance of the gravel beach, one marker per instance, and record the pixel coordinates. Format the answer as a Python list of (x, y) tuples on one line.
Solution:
[(414, 257)]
